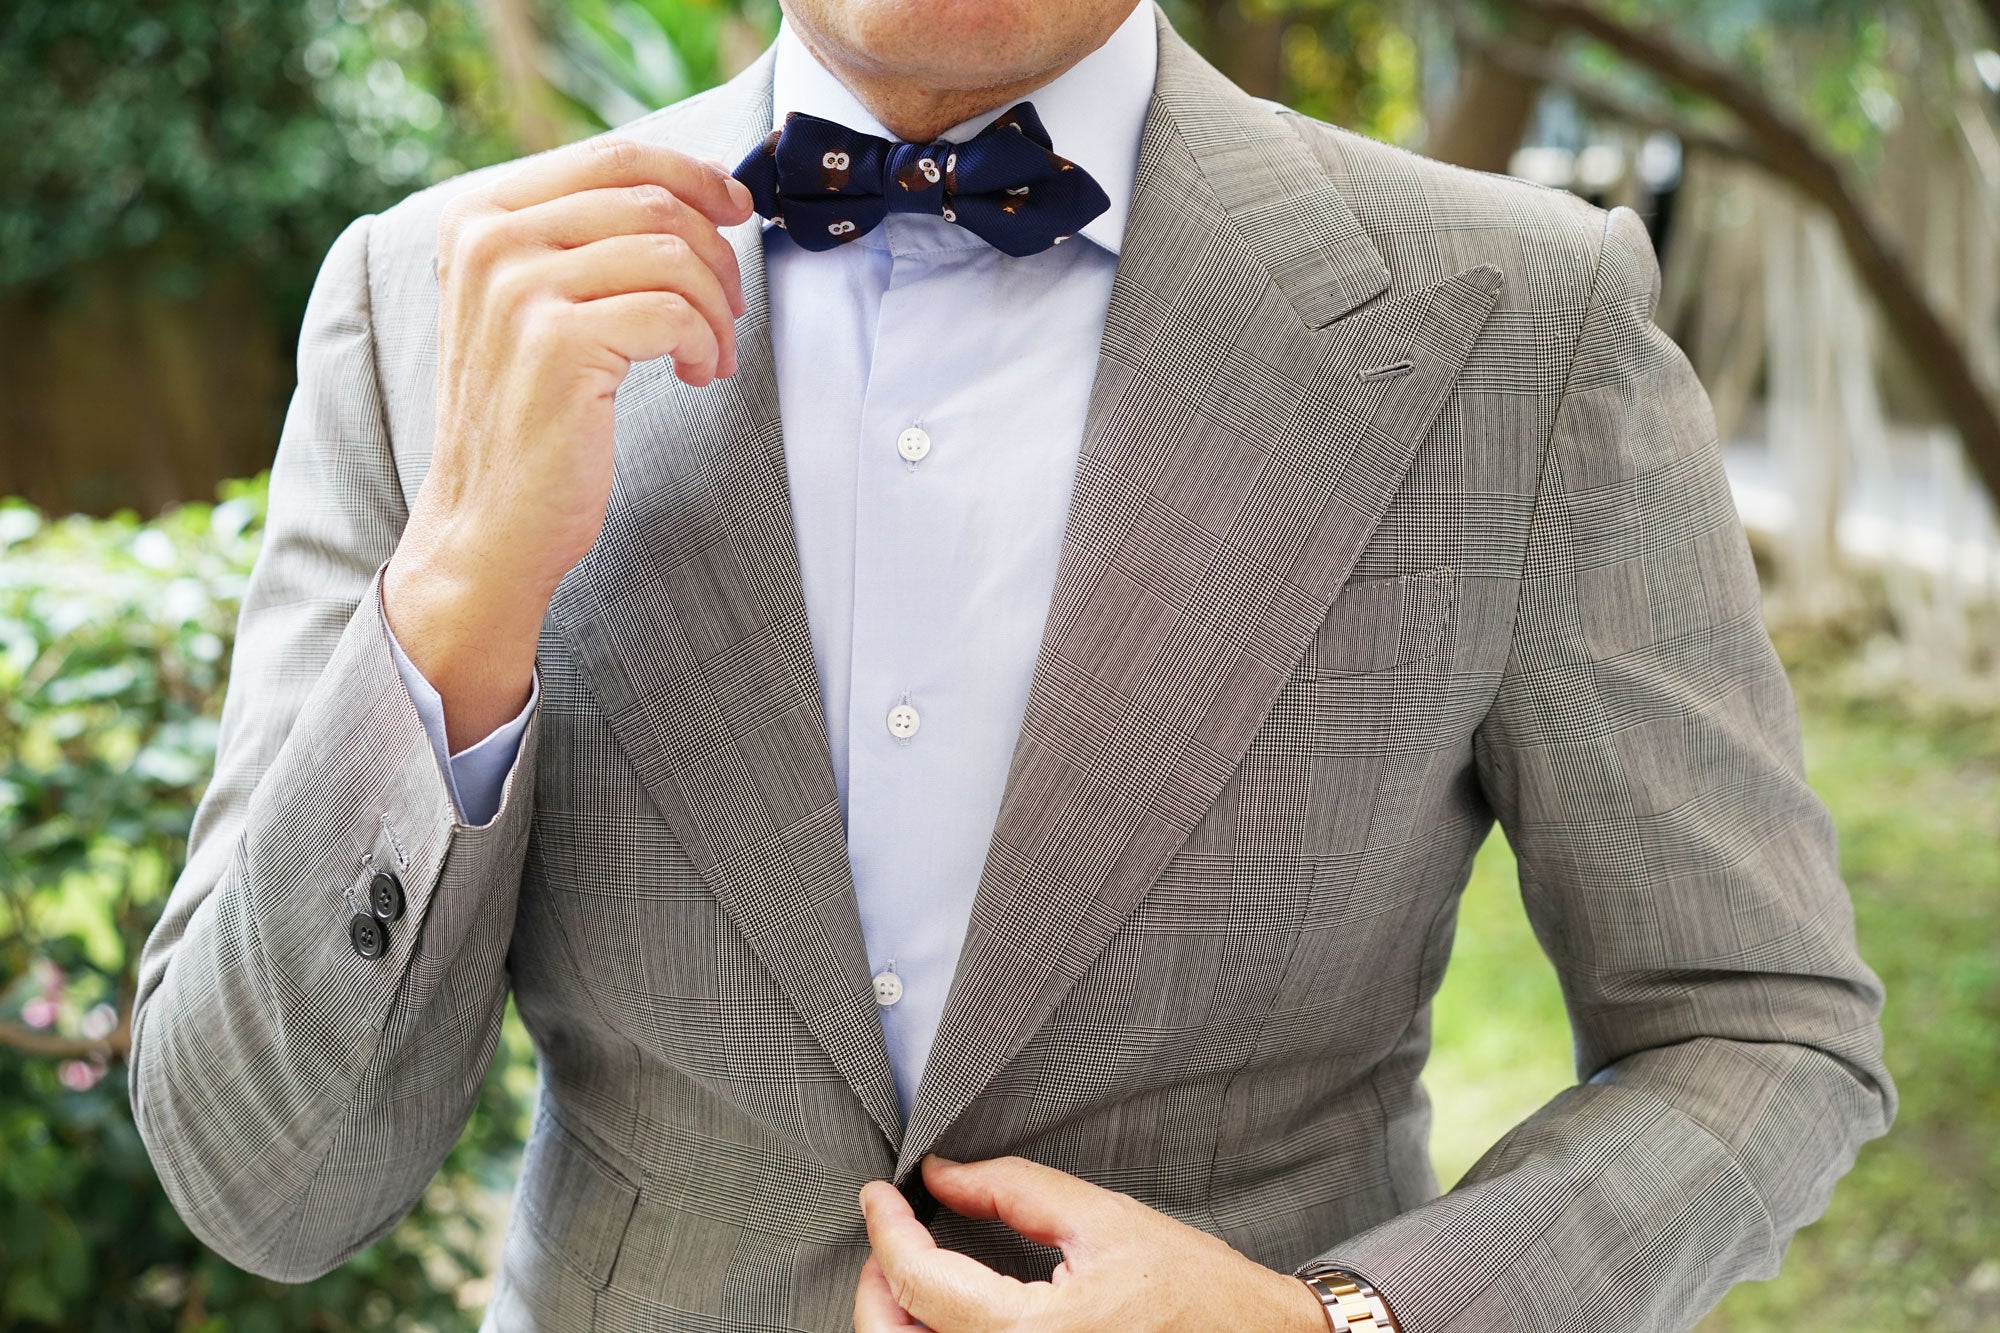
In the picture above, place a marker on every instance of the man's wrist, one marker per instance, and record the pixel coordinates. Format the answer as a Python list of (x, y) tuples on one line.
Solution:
[(1312, 1316), (471, 639)]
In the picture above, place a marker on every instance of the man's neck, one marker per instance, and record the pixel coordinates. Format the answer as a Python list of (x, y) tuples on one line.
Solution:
[(916, 113)]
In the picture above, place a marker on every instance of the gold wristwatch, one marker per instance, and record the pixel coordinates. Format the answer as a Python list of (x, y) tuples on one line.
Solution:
[(1352, 1305)]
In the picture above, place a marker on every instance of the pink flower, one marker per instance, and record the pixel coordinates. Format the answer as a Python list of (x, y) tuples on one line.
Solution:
[(39, 1012), (78, 1076), (99, 1022)]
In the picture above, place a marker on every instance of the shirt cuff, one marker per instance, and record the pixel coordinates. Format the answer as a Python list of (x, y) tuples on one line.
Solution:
[(477, 775)]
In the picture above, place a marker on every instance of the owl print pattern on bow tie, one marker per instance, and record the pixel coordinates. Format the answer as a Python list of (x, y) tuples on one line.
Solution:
[(826, 184)]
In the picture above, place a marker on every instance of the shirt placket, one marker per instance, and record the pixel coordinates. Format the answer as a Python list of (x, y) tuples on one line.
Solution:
[(902, 706)]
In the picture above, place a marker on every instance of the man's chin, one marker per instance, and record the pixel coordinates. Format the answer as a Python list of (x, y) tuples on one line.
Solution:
[(955, 46)]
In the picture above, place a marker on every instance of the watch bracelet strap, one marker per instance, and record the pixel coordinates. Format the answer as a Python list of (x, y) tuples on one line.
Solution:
[(1352, 1305)]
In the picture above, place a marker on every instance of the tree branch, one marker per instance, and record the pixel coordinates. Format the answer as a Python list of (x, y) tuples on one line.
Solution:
[(1654, 50), (51, 1046), (1992, 8), (1788, 151), (1611, 105)]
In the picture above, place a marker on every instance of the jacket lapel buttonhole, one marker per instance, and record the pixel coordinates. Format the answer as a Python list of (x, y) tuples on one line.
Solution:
[(1387, 372)]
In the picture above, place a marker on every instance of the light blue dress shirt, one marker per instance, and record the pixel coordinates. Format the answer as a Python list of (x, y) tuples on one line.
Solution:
[(933, 393)]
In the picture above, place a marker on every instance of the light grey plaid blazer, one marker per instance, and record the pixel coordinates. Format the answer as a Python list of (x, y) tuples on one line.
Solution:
[(1395, 514)]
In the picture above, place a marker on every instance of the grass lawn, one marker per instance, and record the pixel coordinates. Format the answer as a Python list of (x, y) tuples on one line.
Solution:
[(1912, 1239)]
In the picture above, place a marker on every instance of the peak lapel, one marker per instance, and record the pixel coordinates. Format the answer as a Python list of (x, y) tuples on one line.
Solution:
[(689, 621), (1250, 422)]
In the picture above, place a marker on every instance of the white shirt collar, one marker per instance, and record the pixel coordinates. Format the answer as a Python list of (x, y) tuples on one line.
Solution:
[(1095, 112)]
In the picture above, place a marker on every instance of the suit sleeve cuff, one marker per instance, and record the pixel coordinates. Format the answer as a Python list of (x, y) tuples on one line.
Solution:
[(476, 776), (1359, 1271)]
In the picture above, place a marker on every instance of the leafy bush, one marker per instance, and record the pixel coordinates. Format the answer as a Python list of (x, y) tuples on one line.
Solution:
[(114, 648), (220, 131)]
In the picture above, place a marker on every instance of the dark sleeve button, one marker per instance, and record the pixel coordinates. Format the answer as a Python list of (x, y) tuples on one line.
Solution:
[(369, 937), (385, 896)]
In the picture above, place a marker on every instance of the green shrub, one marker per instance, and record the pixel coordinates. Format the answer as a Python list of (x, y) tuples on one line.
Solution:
[(114, 649)]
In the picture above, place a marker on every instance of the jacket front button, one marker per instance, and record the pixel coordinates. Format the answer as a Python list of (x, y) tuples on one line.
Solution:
[(922, 1202), (369, 937), (385, 896)]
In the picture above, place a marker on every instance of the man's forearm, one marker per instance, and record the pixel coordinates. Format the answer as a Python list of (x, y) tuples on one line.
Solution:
[(268, 1050)]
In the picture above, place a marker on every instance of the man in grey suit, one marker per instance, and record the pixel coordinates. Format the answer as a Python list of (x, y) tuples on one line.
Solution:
[(1041, 774)]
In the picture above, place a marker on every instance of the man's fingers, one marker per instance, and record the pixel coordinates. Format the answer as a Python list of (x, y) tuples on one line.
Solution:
[(888, 1216), (945, 1289), (875, 1308), (609, 161), (1047, 1206), (621, 264), (640, 326), (588, 216)]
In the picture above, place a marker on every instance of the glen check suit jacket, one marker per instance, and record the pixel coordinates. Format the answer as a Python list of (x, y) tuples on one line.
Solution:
[(1395, 514)]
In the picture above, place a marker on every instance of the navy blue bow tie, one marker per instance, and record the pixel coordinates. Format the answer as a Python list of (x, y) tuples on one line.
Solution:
[(826, 184)]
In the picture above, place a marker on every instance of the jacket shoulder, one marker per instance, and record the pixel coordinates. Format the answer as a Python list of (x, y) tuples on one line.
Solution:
[(1431, 220)]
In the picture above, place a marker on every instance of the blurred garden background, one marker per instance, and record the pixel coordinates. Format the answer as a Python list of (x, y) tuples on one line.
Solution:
[(1822, 178)]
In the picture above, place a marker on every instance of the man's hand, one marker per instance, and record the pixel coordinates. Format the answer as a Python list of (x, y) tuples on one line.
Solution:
[(1124, 1266), (552, 282)]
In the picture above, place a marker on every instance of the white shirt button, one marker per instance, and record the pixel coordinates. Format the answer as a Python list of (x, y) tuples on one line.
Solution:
[(888, 988), (903, 722), (913, 444)]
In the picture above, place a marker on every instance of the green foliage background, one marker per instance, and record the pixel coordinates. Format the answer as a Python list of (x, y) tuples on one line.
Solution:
[(114, 647)]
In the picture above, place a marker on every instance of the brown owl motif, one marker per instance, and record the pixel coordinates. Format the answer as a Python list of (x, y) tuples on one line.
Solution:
[(834, 166), (920, 175)]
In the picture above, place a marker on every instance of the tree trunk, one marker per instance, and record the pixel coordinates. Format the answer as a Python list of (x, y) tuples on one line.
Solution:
[(1712, 300), (1804, 428), (517, 47), (1495, 103), (1248, 48)]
